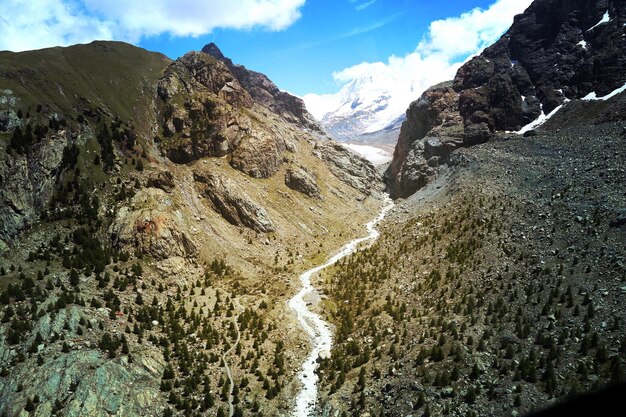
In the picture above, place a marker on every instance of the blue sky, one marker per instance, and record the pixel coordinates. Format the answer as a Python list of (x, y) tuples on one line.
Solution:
[(329, 36), (304, 46)]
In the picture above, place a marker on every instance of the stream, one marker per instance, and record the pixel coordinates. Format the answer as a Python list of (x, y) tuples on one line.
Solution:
[(317, 329)]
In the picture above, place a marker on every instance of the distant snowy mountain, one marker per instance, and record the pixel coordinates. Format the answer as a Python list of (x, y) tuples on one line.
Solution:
[(373, 102)]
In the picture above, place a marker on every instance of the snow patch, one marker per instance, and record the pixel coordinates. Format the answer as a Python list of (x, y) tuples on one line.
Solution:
[(592, 96), (540, 120), (582, 43), (605, 19), (375, 155)]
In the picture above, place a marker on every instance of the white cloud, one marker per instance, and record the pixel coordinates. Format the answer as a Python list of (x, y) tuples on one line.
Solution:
[(364, 5), (32, 24), (447, 44)]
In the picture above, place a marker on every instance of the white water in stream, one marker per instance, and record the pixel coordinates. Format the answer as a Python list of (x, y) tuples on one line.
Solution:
[(318, 329)]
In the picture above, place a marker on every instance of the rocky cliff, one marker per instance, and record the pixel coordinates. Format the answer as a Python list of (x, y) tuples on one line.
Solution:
[(555, 52)]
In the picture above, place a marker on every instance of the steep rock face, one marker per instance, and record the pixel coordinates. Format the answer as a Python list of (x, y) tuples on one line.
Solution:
[(556, 51), (232, 203), (261, 154), (301, 180), (211, 107), (265, 92), (198, 93), (349, 167), (27, 182), (416, 157)]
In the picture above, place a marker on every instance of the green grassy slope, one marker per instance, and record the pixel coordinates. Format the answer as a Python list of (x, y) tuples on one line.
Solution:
[(111, 75)]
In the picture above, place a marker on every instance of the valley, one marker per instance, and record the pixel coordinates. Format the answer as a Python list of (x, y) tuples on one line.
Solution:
[(181, 237), (317, 329), (133, 283)]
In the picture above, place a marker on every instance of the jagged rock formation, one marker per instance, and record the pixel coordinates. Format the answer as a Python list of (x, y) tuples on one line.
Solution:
[(27, 183), (417, 156), (265, 92), (299, 179), (554, 52), (197, 93), (349, 167), (211, 107), (206, 107)]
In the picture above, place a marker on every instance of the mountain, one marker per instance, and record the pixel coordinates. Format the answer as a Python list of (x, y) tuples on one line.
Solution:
[(157, 215), (496, 287), (265, 92), (153, 212), (370, 104), (555, 54)]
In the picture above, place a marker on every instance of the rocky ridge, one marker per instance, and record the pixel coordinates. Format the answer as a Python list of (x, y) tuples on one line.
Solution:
[(265, 92)]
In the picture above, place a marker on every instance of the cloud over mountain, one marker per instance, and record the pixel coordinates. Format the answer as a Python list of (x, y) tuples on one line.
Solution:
[(381, 91)]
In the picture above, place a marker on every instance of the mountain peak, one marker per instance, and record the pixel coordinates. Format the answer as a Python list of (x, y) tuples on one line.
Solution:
[(265, 92), (214, 51)]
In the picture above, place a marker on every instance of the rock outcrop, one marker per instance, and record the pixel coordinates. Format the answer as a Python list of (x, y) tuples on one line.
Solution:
[(348, 166), (198, 94), (152, 225), (299, 179), (417, 155), (212, 107), (163, 180), (556, 51), (232, 203), (27, 183)]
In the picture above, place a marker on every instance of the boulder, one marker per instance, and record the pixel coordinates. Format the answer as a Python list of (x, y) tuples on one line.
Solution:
[(477, 133), (163, 180), (300, 180)]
